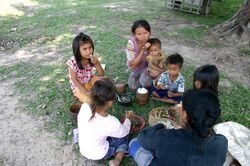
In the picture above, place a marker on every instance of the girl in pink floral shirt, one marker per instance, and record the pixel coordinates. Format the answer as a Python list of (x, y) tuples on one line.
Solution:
[(81, 65)]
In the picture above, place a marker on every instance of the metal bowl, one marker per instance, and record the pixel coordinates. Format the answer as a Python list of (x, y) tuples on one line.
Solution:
[(125, 100)]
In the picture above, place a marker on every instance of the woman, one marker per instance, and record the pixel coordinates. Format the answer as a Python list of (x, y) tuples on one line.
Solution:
[(136, 51), (195, 144)]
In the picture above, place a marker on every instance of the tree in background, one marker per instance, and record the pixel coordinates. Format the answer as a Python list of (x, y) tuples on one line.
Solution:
[(239, 24)]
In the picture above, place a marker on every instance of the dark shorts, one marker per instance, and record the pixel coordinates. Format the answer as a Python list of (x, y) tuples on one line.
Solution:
[(117, 145), (164, 93)]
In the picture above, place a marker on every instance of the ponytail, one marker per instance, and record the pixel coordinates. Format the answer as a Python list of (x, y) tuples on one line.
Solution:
[(102, 92), (203, 110)]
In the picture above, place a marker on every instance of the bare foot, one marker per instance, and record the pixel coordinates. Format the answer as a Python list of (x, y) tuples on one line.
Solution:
[(114, 162)]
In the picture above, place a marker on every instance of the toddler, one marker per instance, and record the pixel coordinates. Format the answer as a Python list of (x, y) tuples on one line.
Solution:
[(170, 86), (155, 59)]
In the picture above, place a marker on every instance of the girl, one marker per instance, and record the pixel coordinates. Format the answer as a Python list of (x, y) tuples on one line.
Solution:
[(195, 144), (206, 76), (81, 64), (136, 55), (102, 135)]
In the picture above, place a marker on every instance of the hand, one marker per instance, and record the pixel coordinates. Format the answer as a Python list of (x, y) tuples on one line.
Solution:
[(146, 46), (129, 115), (94, 59), (162, 86), (170, 94)]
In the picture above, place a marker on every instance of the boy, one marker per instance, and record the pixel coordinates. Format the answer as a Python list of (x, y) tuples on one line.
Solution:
[(170, 86)]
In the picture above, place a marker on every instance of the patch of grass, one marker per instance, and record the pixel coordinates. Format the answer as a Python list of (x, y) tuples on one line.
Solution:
[(235, 104), (220, 11), (192, 33), (245, 52)]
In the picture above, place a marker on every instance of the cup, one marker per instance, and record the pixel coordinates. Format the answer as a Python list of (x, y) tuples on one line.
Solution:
[(142, 96)]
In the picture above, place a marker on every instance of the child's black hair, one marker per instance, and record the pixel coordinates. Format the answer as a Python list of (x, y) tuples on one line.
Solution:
[(102, 92), (203, 110), (208, 75), (140, 23), (80, 39), (155, 41), (175, 59)]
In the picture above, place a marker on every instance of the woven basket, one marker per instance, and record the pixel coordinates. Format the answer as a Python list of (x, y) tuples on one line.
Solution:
[(164, 115)]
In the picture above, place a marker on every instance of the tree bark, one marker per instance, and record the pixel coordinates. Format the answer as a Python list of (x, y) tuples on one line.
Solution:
[(238, 24)]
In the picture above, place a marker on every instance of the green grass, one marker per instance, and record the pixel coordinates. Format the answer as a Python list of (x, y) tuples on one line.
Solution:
[(245, 52), (44, 87), (220, 11)]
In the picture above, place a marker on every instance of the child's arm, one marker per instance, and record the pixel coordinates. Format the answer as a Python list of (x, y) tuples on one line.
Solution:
[(137, 60), (173, 94), (155, 67), (77, 82), (180, 89), (161, 64), (160, 84), (97, 64)]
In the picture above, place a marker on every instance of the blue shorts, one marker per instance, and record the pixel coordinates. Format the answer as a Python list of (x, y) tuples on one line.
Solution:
[(164, 93), (117, 145), (141, 156)]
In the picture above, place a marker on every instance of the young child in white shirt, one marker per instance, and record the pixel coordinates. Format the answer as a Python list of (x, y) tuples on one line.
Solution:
[(102, 135)]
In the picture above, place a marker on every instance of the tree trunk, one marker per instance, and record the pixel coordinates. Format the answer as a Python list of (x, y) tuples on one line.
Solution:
[(238, 24)]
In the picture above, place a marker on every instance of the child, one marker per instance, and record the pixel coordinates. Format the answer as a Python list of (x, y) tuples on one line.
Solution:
[(81, 64), (206, 76), (170, 86), (102, 135), (136, 55), (155, 59)]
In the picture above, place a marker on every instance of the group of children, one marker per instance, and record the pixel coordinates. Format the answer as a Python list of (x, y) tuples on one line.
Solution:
[(98, 129)]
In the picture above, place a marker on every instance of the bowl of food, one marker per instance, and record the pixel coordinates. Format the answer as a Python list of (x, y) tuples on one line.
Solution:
[(125, 100), (137, 122)]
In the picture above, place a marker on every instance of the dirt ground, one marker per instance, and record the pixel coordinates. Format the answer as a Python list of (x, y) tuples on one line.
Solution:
[(24, 139)]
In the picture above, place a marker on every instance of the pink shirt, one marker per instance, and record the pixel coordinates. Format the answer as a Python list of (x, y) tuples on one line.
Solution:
[(82, 75)]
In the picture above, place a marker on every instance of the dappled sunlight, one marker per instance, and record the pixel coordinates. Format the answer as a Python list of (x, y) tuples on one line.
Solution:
[(120, 6), (46, 78), (8, 7), (59, 38), (28, 54)]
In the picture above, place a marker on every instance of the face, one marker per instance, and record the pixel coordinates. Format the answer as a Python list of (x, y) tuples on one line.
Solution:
[(197, 84), (86, 50), (142, 35), (173, 69), (109, 104), (154, 50)]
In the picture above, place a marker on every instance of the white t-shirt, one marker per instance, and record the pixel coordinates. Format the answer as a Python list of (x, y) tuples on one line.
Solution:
[(93, 133)]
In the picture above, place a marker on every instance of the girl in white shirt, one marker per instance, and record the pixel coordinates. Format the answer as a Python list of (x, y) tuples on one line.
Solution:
[(102, 135)]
